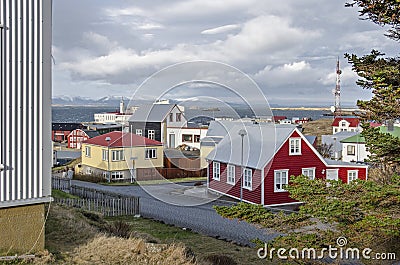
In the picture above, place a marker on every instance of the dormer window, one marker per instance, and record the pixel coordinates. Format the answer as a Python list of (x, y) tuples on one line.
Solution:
[(295, 146), (343, 124)]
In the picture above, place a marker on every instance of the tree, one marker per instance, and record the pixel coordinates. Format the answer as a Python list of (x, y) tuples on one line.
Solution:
[(382, 76)]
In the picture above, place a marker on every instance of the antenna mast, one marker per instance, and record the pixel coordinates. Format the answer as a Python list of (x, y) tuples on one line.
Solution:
[(336, 91)]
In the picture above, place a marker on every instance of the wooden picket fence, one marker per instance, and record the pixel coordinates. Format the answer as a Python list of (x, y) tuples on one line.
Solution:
[(62, 184), (90, 199), (107, 207)]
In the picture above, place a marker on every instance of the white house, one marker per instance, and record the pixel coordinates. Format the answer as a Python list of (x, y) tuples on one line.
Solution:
[(354, 149), (189, 136), (341, 124)]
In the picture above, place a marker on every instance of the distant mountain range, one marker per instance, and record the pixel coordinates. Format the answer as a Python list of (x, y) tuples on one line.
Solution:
[(83, 101), (113, 101)]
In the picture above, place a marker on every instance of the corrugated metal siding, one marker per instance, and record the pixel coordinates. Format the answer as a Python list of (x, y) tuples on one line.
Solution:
[(294, 163), (222, 186), (25, 112)]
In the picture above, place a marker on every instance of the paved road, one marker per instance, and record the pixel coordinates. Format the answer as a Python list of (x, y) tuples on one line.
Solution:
[(200, 217)]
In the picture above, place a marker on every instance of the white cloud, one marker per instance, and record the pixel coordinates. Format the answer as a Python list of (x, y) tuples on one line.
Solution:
[(285, 46), (297, 66), (221, 29)]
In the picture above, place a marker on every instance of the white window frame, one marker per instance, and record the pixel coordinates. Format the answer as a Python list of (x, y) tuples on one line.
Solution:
[(295, 146), (230, 174), (150, 153), (139, 132), (247, 178), (276, 172), (151, 134), (117, 155), (351, 178), (104, 155), (306, 172), (117, 175), (216, 171), (87, 151)]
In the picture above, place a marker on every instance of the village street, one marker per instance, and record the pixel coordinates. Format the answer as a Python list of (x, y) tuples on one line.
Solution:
[(199, 217)]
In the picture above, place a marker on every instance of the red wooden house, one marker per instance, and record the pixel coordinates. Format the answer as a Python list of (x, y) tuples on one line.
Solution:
[(76, 137), (270, 156), (61, 130)]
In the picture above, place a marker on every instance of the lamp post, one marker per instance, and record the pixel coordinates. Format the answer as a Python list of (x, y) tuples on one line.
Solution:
[(242, 133), (108, 139)]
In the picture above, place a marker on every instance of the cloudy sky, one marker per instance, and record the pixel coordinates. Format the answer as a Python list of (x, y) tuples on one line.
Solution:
[(289, 47)]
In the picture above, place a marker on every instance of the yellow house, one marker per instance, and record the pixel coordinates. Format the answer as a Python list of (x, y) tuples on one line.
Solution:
[(118, 155)]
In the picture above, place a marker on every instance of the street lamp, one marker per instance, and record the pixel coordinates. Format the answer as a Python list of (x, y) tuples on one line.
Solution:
[(108, 139), (242, 133)]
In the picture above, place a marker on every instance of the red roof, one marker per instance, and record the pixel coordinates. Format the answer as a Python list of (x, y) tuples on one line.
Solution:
[(354, 122), (121, 139), (279, 118), (374, 124)]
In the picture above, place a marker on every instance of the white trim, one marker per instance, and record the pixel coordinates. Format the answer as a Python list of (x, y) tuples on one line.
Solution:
[(352, 171), (231, 196), (251, 179), (332, 169), (262, 186), (281, 204), (219, 170), (287, 179), (228, 166), (24, 202), (308, 168), (295, 139)]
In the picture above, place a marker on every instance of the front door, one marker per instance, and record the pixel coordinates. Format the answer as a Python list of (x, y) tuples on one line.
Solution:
[(172, 140), (332, 174)]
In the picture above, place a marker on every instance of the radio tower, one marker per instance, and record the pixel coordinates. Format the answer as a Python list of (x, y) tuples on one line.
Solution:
[(336, 91)]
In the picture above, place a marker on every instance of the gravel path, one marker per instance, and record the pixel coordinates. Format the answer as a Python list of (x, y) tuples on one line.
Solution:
[(201, 218)]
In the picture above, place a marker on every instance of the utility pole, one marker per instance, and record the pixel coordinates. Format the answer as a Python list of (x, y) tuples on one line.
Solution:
[(336, 91)]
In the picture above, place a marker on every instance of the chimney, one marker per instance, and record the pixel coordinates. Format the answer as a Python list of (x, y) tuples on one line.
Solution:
[(390, 126)]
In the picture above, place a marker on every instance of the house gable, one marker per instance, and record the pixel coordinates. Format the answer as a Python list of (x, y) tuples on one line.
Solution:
[(309, 158)]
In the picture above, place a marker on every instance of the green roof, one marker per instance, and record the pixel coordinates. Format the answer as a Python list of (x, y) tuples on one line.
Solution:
[(358, 138), (395, 132)]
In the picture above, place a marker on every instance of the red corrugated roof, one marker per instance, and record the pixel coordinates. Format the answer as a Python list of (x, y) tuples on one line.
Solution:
[(120, 139), (354, 122)]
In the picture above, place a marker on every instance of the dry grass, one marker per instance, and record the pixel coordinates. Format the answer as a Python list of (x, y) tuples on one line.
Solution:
[(318, 128), (114, 250)]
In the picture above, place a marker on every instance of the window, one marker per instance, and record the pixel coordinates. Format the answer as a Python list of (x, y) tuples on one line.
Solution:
[(117, 175), (351, 150), (87, 151), (187, 138), (352, 175), (247, 178), (308, 172), (197, 138), (171, 117), (295, 146), (335, 130), (151, 153), (104, 155), (216, 170), (280, 179), (343, 124), (151, 134), (117, 155), (230, 175), (139, 132), (178, 116)]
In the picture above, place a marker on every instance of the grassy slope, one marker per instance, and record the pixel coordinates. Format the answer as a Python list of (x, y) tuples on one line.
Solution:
[(318, 128), (71, 235)]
